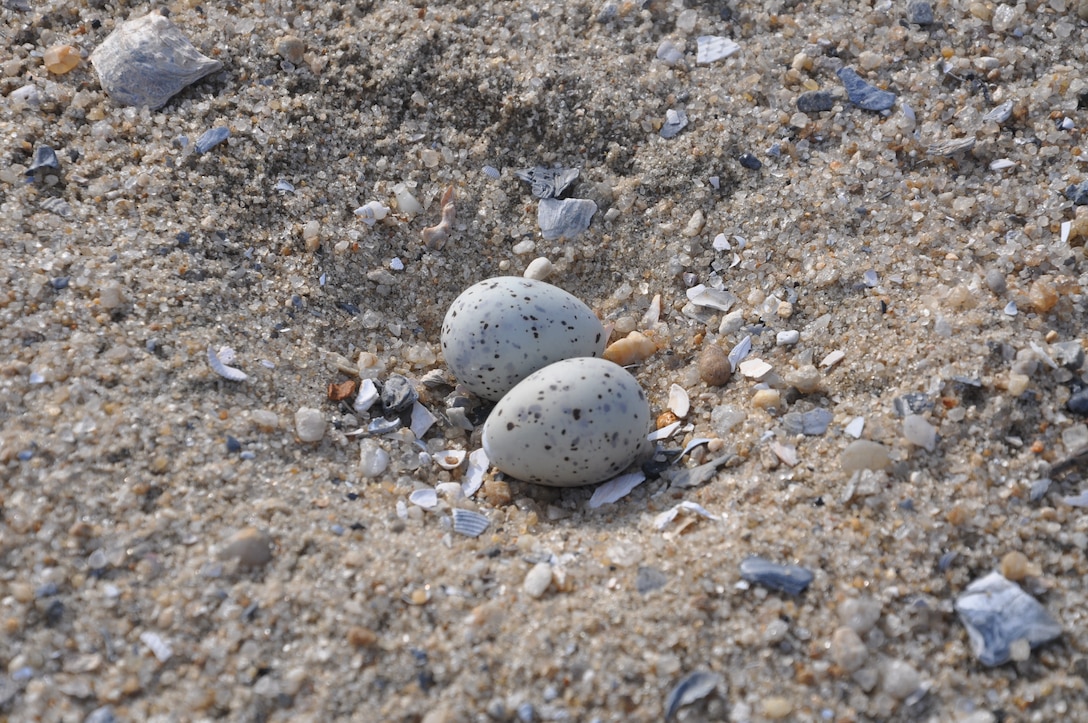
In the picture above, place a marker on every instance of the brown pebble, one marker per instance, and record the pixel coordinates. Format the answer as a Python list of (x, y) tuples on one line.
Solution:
[(291, 49), (497, 493), (1043, 296), (665, 419), (714, 367), (1016, 566), (59, 59), (362, 637), (250, 547), (342, 390)]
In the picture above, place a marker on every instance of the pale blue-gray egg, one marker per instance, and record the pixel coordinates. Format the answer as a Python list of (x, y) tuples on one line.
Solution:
[(499, 331), (575, 422)]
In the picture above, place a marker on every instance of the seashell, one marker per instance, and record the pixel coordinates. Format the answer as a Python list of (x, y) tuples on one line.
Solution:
[(211, 138), (566, 218), (653, 314), (997, 613), (616, 489), (425, 498), (632, 349), (694, 686), (755, 368), (406, 202), (474, 476), (548, 182), (449, 458), (741, 350), (702, 295), (713, 47), (219, 361), (469, 523), (1001, 113), (435, 237), (147, 60), (372, 212), (422, 420), (679, 403), (58, 206), (664, 432), (381, 425), (368, 394), (159, 647), (791, 579), (675, 121), (951, 147), (44, 157), (662, 520)]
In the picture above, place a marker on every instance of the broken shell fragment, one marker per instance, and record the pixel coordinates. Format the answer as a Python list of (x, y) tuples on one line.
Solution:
[(469, 523), (435, 237), (449, 458), (679, 403), (632, 349), (372, 212), (146, 61)]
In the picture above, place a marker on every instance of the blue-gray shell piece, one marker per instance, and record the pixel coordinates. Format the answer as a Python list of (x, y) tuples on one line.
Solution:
[(791, 579), (546, 182), (997, 612), (864, 95), (692, 687), (44, 157), (566, 218), (211, 138)]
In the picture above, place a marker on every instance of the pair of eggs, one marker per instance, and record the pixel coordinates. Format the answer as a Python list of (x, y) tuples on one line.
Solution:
[(564, 417)]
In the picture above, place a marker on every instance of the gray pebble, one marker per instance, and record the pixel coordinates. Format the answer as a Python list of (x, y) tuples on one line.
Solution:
[(1078, 403), (538, 580), (649, 579), (101, 715), (398, 395), (250, 547), (789, 337), (860, 614), (848, 649), (675, 121), (920, 13), (911, 403), (694, 686), (791, 579), (815, 422), (211, 138), (1078, 194), (1070, 354), (900, 679), (864, 454), (862, 94), (815, 101), (44, 158), (995, 281)]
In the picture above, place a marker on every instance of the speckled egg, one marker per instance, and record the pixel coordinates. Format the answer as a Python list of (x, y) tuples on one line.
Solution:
[(574, 422), (501, 330)]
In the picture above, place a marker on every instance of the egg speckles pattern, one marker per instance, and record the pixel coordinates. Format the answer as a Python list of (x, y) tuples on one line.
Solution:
[(575, 422), (501, 330)]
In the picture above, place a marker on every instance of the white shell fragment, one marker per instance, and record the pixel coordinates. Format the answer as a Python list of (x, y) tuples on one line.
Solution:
[(499, 331), (714, 47), (566, 218), (425, 498), (679, 403), (474, 475), (372, 212), (998, 613), (449, 458), (702, 295), (158, 647), (576, 422), (662, 520), (368, 394), (218, 362), (663, 433), (146, 61), (616, 489), (755, 368), (741, 350), (469, 523), (675, 121), (422, 420), (833, 358)]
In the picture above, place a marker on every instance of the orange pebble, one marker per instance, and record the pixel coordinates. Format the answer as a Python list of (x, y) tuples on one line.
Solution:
[(60, 59)]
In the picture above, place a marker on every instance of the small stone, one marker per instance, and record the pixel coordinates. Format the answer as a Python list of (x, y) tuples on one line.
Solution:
[(1018, 384), (291, 49), (497, 493), (788, 337), (1015, 566), (995, 281), (675, 121), (864, 95), (539, 268), (311, 235), (250, 547), (864, 454), (848, 649), (538, 580), (900, 679), (695, 224), (309, 424), (361, 637), (860, 614), (997, 613), (398, 395), (265, 420), (648, 579), (777, 707), (815, 101), (791, 579), (1043, 296), (731, 322), (60, 59), (766, 399), (111, 297), (714, 367), (750, 162), (920, 13), (805, 379), (1070, 354), (919, 432), (373, 459)]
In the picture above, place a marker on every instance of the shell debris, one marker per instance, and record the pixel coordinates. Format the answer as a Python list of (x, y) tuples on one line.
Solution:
[(372, 212), (435, 237), (449, 458), (147, 60), (634, 348), (679, 402), (469, 523), (219, 363)]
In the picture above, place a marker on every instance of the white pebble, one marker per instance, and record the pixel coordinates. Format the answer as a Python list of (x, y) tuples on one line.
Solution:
[(539, 268), (250, 547), (538, 580), (373, 460), (864, 454), (309, 424), (900, 679), (787, 338), (919, 432)]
